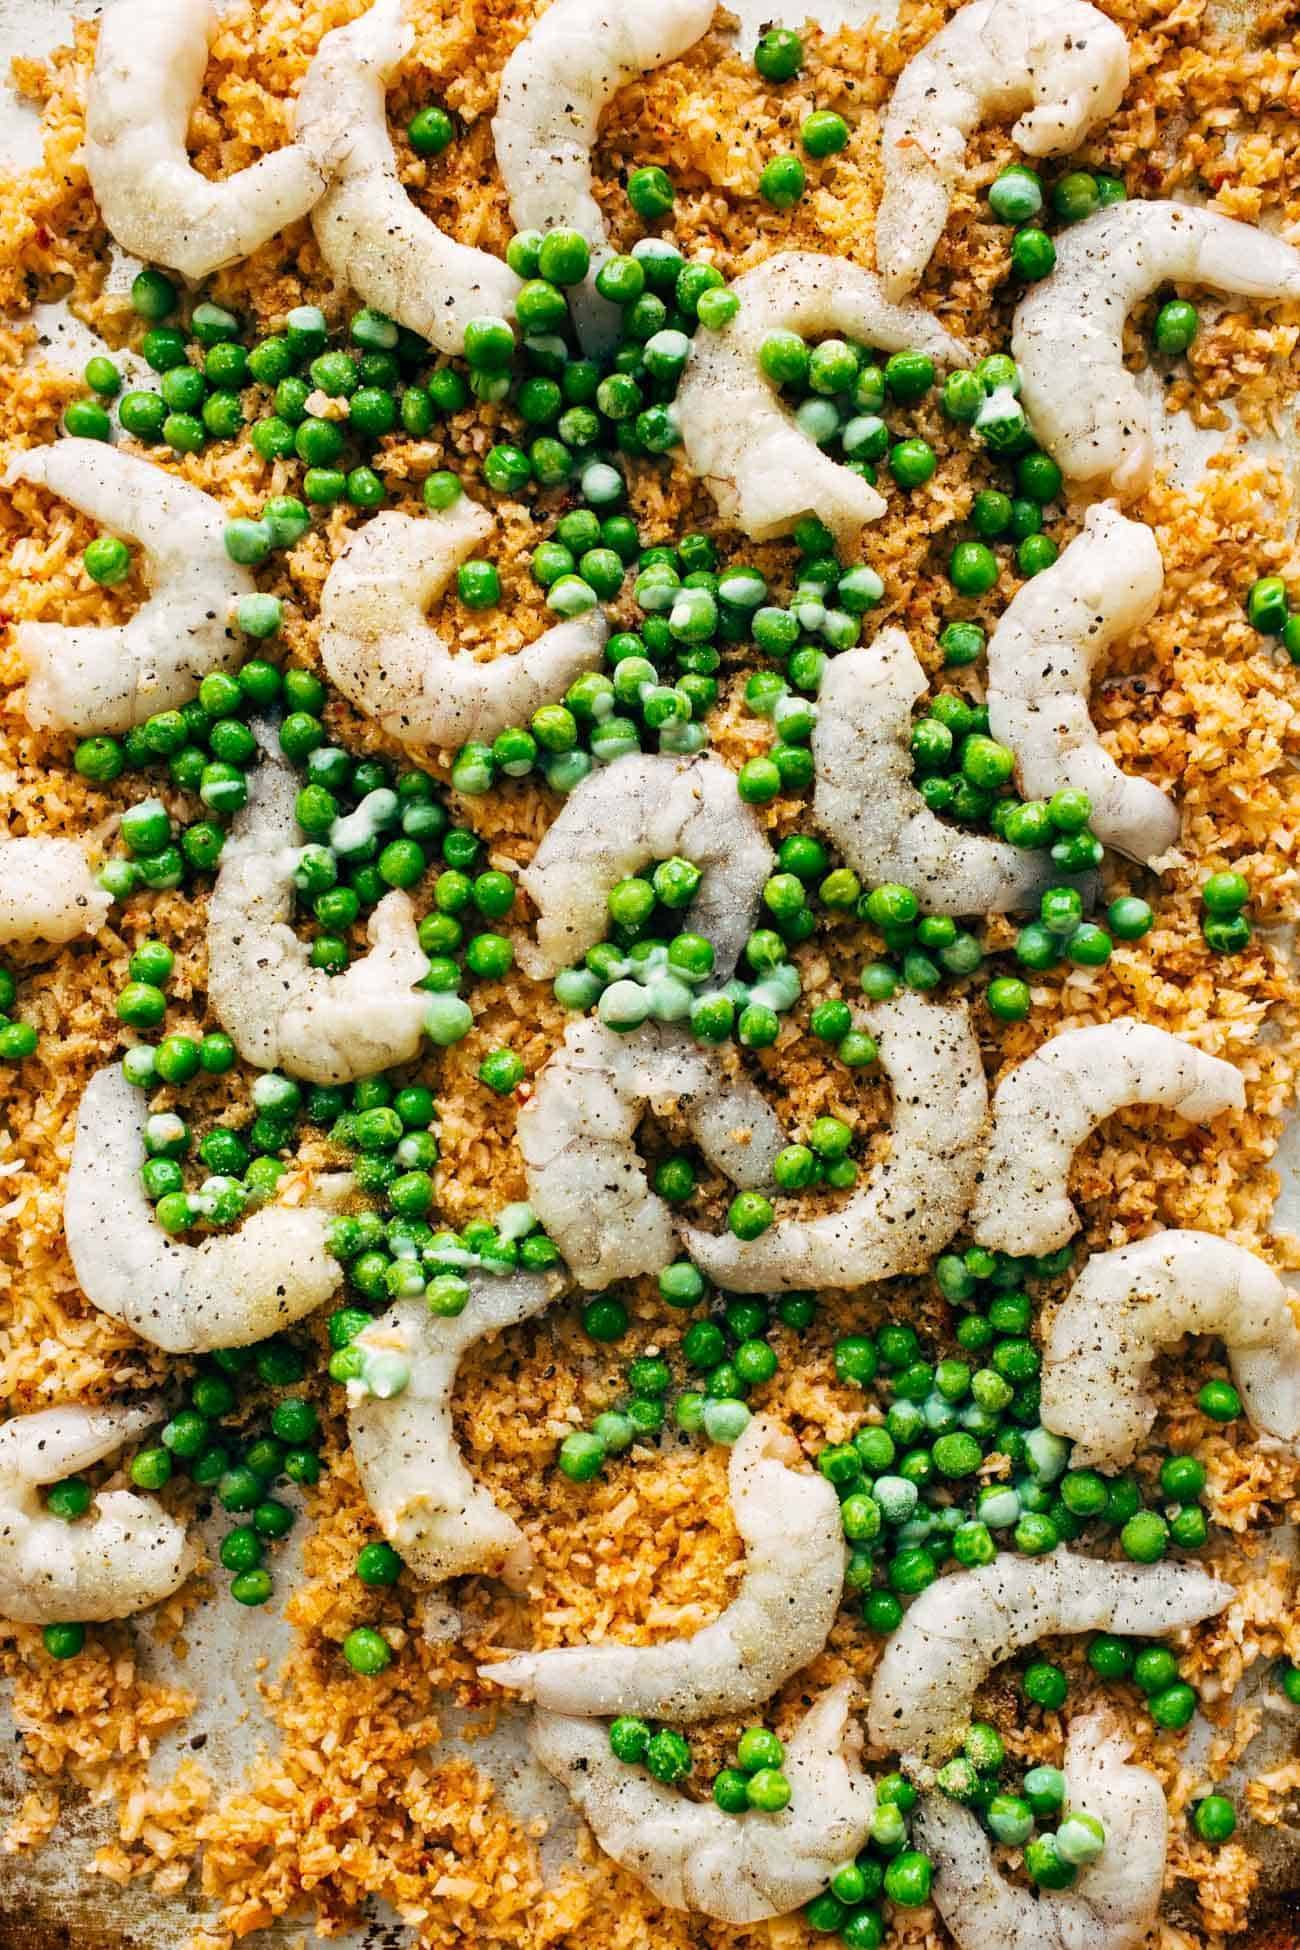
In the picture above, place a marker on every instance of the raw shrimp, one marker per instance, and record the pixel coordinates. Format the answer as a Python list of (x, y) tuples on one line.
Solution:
[(1062, 67), (763, 472), (381, 652), (1113, 1902), (1044, 1109), (147, 78), (107, 677), (912, 1203), (866, 801), (1127, 1305), (1042, 656), (577, 1138), (429, 1507), (48, 892), (233, 1289), (641, 808), (1068, 336), (962, 1625), (125, 1554), (282, 1012), (561, 76), (789, 1522), (695, 1857), (372, 236)]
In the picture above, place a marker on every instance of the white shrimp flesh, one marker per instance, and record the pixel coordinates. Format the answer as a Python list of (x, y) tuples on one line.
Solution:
[(586, 1180), (47, 893), (865, 798), (963, 1625), (87, 677), (373, 237), (1059, 65), (1068, 335), (764, 473), (780, 1618), (1045, 1108), (280, 1011), (1041, 660), (1113, 1901), (232, 1289), (1129, 1304), (910, 1204), (691, 1854), (417, 1482), (125, 1554), (554, 89), (379, 649), (644, 807), (147, 78)]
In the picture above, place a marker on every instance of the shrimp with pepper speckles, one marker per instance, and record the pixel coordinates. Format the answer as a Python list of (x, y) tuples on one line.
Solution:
[(48, 892)]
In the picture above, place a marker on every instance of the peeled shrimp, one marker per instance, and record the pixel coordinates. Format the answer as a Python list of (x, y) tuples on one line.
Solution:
[(47, 892), (554, 87), (789, 1522), (125, 1554), (90, 677), (911, 1204), (1044, 1109), (693, 1856), (416, 1481), (233, 1289), (577, 1137), (282, 1012), (1085, 408), (761, 470), (378, 648), (148, 74), (1041, 660), (641, 808), (372, 236), (866, 801), (1126, 1305), (961, 1626), (1062, 67), (1112, 1904)]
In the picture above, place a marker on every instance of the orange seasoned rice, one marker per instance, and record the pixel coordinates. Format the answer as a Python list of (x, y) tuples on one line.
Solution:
[(351, 1800)]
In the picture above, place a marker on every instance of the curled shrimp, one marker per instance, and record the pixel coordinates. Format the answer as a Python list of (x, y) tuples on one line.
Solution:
[(233, 1289), (147, 77), (763, 472), (371, 235), (866, 801), (554, 88), (577, 1134), (1127, 1305), (125, 1554), (90, 677), (789, 1522), (912, 1203), (1044, 1109), (48, 892), (381, 652), (647, 807), (416, 1481), (1067, 340), (1062, 67), (280, 1011), (1041, 659), (963, 1625), (691, 1854), (1112, 1904)]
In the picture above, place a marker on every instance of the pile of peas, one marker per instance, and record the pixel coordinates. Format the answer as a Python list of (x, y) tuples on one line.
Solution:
[(1153, 1669), (1270, 612), (1224, 921), (1061, 930), (887, 1868), (1052, 1858), (1018, 196), (663, 1752), (726, 1352), (755, 1780), (18, 1040)]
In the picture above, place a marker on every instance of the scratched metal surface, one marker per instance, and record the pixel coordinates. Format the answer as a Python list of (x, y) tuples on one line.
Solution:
[(51, 1901)]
